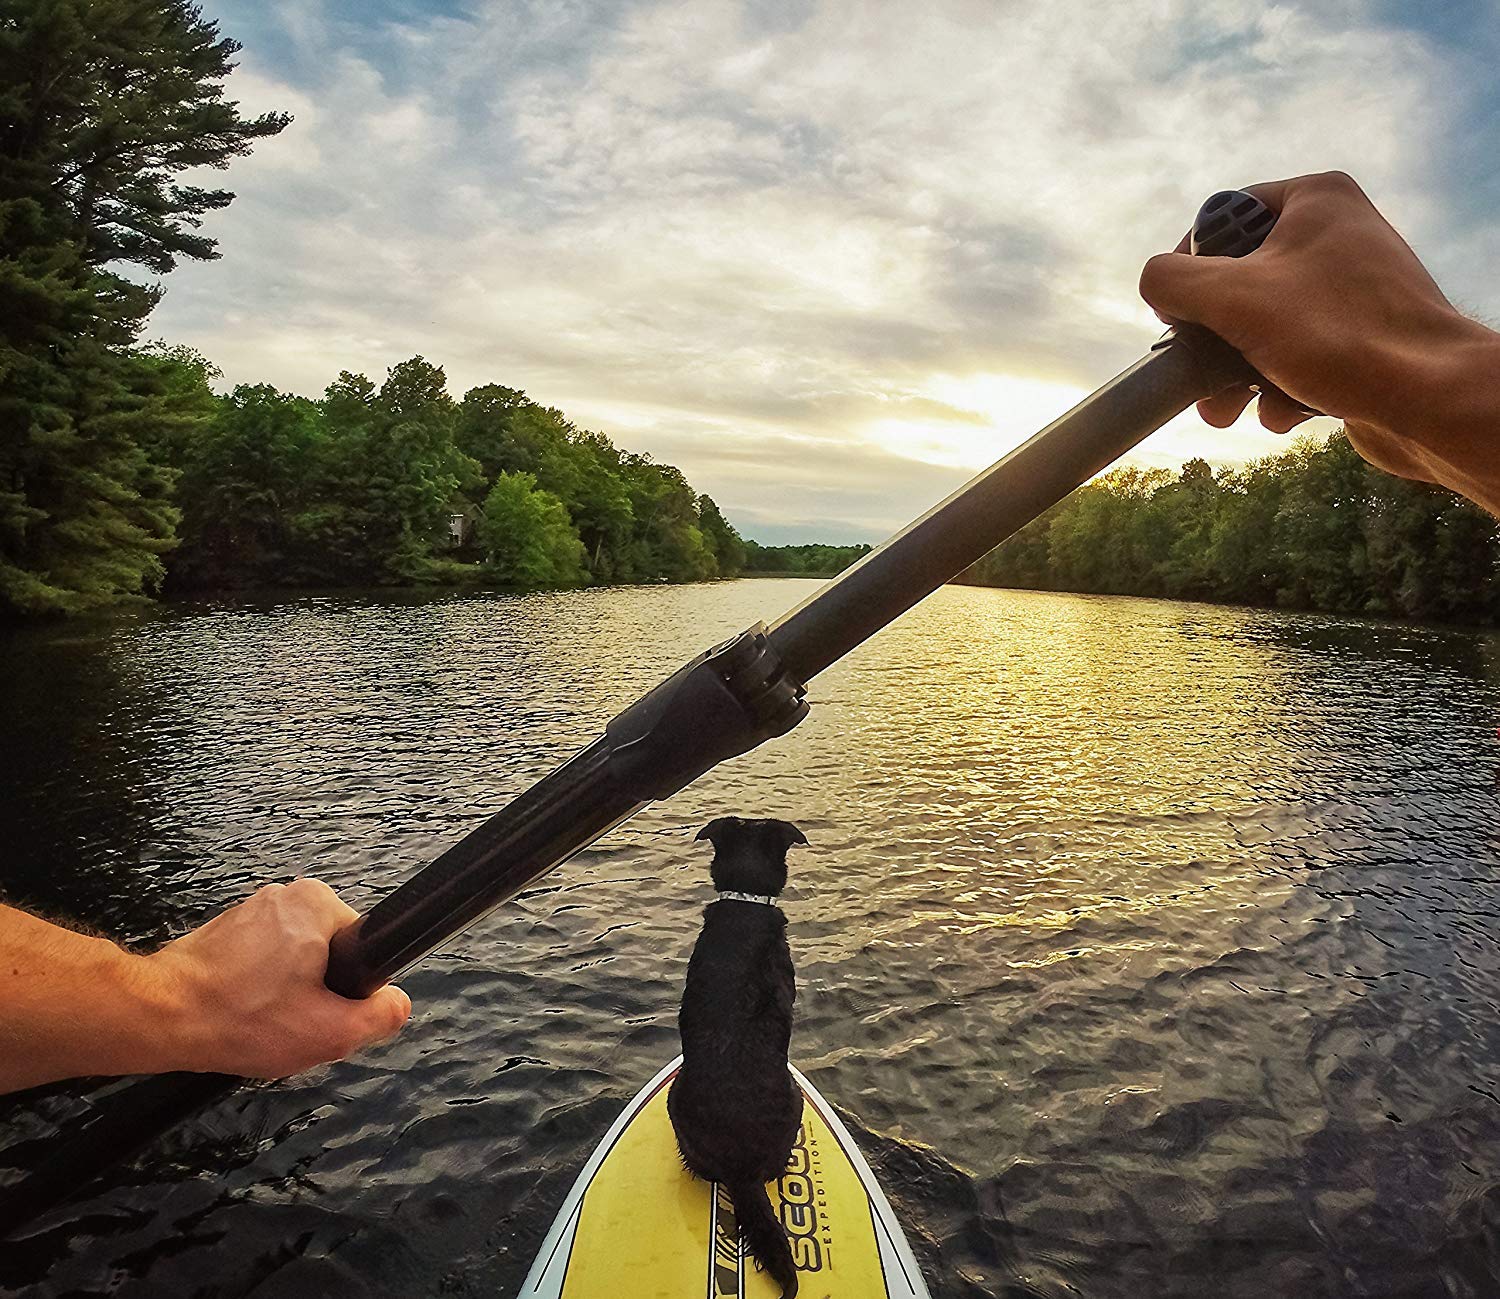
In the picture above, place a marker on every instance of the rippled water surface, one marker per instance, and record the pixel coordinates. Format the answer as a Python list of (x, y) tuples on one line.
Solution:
[(1148, 948)]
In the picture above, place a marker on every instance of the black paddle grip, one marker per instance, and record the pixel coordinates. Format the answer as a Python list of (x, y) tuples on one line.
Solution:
[(1233, 223), (1230, 223)]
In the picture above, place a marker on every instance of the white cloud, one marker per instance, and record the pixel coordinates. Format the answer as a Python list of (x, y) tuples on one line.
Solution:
[(724, 238)]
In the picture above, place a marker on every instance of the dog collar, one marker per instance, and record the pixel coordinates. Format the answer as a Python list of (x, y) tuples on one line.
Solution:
[(765, 899)]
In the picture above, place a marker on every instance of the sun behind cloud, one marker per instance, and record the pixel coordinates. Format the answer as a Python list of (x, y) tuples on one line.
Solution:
[(1006, 409)]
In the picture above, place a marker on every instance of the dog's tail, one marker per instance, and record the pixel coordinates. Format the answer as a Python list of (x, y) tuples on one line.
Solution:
[(764, 1236)]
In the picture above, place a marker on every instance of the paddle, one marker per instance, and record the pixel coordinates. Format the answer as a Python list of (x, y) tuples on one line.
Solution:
[(724, 702)]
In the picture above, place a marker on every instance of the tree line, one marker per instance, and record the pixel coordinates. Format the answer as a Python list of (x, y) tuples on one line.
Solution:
[(403, 483), (811, 560), (1312, 528)]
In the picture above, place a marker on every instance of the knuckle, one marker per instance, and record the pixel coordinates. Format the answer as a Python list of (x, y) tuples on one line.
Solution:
[(309, 942), (308, 887), (1153, 272), (1338, 182), (266, 899)]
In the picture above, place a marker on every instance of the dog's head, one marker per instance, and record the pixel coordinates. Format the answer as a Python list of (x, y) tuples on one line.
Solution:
[(749, 855)]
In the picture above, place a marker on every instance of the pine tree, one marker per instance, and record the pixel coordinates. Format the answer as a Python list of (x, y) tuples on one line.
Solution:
[(103, 104)]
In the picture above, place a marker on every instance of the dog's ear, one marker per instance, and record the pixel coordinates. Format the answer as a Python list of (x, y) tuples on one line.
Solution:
[(790, 833), (716, 827)]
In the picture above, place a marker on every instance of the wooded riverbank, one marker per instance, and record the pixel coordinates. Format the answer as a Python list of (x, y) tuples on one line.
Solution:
[(1313, 528)]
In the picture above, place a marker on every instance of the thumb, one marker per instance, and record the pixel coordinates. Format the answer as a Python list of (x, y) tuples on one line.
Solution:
[(1180, 286), (380, 1015)]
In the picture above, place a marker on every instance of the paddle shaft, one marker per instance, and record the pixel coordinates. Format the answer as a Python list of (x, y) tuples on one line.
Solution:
[(723, 703)]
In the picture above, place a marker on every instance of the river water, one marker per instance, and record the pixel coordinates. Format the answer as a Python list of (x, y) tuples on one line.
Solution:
[(1148, 948)]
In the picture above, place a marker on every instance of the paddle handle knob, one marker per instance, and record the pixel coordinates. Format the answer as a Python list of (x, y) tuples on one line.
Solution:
[(1233, 223), (1230, 223)]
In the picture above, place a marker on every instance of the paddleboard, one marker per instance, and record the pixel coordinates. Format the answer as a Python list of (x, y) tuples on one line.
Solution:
[(638, 1224)]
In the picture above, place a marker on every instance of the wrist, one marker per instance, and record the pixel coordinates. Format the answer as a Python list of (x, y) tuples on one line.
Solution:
[(125, 1019), (1449, 410), (1439, 381), (167, 1002), (1455, 385)]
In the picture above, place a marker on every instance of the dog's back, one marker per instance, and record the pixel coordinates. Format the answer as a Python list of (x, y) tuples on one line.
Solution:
[(734, 1104), (737, 1106)]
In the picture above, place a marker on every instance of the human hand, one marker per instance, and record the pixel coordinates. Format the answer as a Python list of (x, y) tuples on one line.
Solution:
[(248, 991), (1336, 310)]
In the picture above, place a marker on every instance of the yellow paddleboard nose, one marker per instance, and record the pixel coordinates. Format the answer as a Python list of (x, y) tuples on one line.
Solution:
[(637, 1223)]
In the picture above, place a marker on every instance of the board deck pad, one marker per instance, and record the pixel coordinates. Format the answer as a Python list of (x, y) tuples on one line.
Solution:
[(637, 1223)]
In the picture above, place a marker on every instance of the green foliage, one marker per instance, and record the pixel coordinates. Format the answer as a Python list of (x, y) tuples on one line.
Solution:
[(85, 516), (724, 543), (112, 454), (397, 471), (357, 488), (639, 521), (182, 378), (802, 561), (1312, 528), (504, 431), (103, 105), (527, 535), (368, 485), (242, 485), (666, 542)]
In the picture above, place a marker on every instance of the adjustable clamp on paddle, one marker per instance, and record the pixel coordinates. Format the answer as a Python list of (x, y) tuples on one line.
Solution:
[(721, 704), (1230, 223)]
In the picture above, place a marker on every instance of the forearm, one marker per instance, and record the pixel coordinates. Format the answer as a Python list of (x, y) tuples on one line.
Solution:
[(73, 1005)]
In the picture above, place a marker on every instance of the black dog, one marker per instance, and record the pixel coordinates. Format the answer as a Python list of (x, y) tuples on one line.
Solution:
[(734, 1104)]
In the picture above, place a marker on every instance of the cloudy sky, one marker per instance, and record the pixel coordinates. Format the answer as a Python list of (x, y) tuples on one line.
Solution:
[(827, 257)]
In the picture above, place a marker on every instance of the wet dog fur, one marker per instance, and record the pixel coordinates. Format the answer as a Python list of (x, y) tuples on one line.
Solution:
[(734, 1104)]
